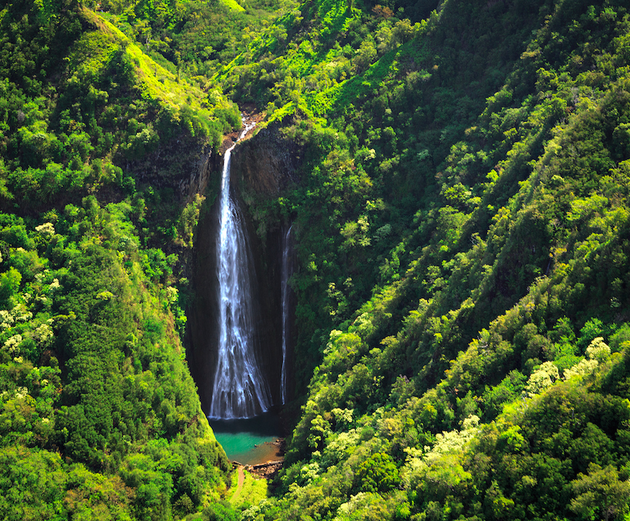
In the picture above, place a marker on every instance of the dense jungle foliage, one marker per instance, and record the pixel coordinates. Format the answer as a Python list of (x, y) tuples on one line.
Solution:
[(463, 232), (463, 221), (99, 417)]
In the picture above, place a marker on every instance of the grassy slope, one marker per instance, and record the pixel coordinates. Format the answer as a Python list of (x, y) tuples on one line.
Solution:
[(233, 5), (153, 80), (252, 491)]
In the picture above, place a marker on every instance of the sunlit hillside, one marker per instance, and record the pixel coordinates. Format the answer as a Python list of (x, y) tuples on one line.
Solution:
[(456, 178)]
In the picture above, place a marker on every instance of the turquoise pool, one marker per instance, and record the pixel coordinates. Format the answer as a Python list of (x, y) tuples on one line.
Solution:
[(249, 441)]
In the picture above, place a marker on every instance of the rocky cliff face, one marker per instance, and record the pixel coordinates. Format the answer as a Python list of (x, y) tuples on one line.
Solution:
[(183, 163), (263, 167)]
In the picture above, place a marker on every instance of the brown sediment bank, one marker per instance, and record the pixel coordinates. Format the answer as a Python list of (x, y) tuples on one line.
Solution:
[(266, 459)]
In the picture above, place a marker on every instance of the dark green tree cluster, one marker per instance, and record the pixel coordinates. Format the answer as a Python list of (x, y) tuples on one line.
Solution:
[(98, 413)]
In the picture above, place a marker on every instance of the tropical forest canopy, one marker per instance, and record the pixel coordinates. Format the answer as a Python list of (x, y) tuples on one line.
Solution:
[(462, 345)]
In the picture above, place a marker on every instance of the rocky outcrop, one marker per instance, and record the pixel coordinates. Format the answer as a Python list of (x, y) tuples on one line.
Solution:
[(183, 163), (197, 182), (265, 165)]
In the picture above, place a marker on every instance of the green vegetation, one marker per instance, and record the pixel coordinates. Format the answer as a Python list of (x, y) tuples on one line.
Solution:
[(233, 5), (461, 214), (252, 491), (92, 374), (191, 37), (99, 417), (462, 222)]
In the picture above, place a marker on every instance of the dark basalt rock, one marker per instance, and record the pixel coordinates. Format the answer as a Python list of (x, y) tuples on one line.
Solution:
[(265, 165)]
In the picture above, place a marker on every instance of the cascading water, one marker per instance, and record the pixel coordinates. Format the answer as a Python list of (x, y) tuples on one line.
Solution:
[(286, 273), (240, 389)]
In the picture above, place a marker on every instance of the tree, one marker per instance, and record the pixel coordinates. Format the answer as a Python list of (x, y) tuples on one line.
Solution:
[(377, 474), (600, 494)]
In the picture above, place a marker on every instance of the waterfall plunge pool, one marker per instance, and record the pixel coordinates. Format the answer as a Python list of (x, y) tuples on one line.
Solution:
[(250, 441)]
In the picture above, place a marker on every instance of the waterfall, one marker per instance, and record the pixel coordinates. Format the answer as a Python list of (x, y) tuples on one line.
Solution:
[(240, 390), (286, 273)]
